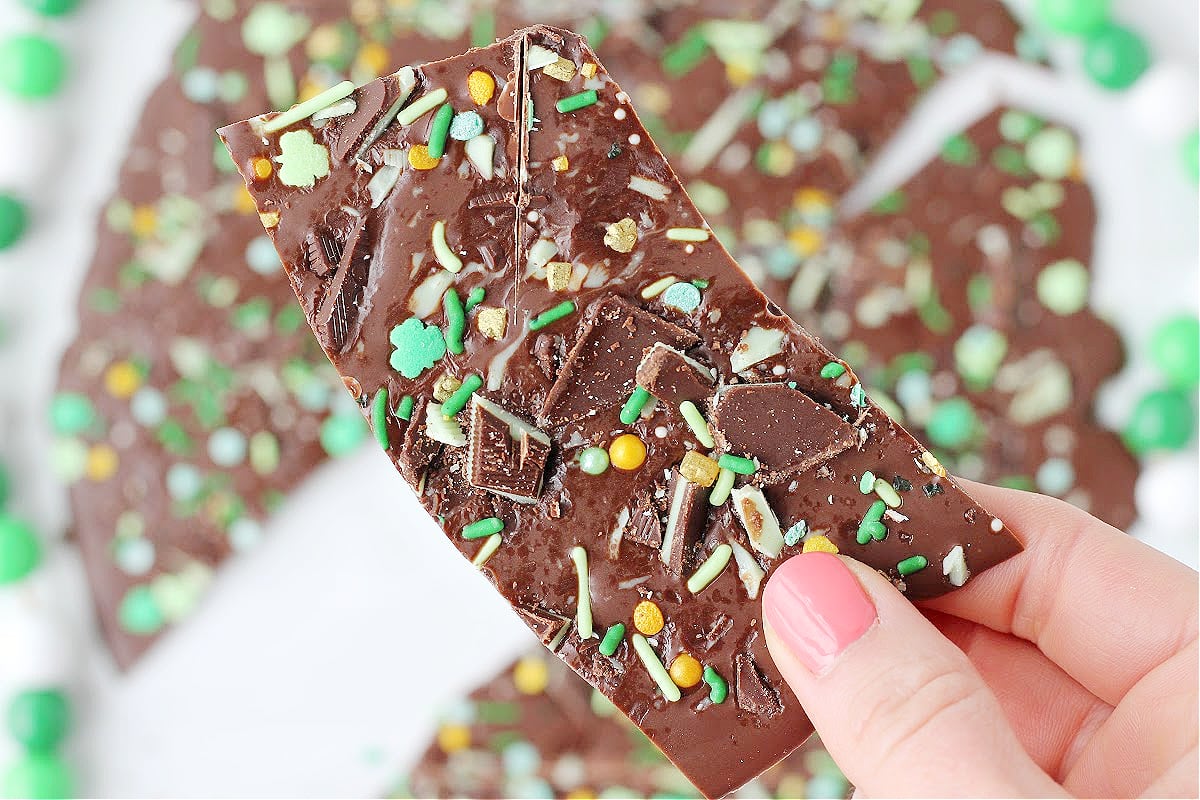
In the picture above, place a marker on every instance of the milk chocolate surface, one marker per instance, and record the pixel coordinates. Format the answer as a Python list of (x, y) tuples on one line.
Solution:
[(576, 178)]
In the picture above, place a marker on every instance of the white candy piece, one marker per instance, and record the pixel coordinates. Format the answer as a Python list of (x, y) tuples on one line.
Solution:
[(481, 150), (760, 522), (382, 183), (440, 429), (750, 573), (537, 57), (757, 344), (954, 566)]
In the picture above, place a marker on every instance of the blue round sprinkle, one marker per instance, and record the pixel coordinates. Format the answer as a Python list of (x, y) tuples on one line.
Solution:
[(521, 758), (805, 134), (227, 447), (148, 406), (184, 481), (466, 125), (683, 296), (261, 256), (134, 556), (200, 85), (244, 533), (1055, 476)]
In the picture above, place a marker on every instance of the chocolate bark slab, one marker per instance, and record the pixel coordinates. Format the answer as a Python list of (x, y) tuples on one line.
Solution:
[(621, 215)]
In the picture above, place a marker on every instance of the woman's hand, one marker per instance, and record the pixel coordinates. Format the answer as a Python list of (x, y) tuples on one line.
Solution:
[(1069, 669)]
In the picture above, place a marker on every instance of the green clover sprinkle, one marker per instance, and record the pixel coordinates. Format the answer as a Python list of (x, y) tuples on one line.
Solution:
[(302, 161), (418, 347)]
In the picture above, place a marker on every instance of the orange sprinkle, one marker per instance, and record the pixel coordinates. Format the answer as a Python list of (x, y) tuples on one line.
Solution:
[(648, 618), (262, 168), (481, 86), (419, 158), (627, 452), (686, 671)]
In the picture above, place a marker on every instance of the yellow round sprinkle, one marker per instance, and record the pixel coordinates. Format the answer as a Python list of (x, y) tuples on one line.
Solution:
[(581, 793), (819, 544), (805, 240), (481, 86), (418, 156), (452, 738), (738, 74), (262, 168), (122, 379), (811, 199), (323, 43), (648, 618), (373, 57), (686, 671), (530, 675), (627, 452), (145, 221), (101, 463), (243, 202)]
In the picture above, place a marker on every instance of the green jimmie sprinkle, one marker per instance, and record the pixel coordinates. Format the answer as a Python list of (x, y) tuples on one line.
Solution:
[(912, 564), (738, 464), (456, 321), (575, 102), (483, 527), (612, 639), (718, 689), (405, 409), (552, 315), (634, 405), (458, 401), (379, 409), (440, 130)]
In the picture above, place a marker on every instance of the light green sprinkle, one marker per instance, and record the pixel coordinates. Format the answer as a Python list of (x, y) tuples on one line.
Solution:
[(687, 234), (912, 564), (302, 160), (439, 131), (656, 669), (575, 102), (738, 464), (1063, 286), (550, 316), (475, 297), (404, 411), (483, 527), (695, 421), (722, 488), (458, 401), (866, 484), (379, 409), (612, 639), (794, 534), (875, 512), (658, 287), (441, 250), (583, 606), (887, 493), (634, 405), (456, 321), (710, 569), (487, 550), (718, 689), (833, 370), (302, 111), (421, 106)]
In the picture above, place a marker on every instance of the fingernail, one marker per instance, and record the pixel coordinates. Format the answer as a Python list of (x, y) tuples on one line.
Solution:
[(816, 608)]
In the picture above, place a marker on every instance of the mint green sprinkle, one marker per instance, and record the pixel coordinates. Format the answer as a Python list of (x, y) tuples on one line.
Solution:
[(456, 321), (379, 409), (552, 315), (833, 370), (475, 297), (634, 405), (795, 533), (738, 464), (912, 564), (404, 411), (722, 487), (439, 130), (482, 528), (718, 689), (577, 101), (612, 639), (887, 493), (866, 484), (458, 401), (695, 421)]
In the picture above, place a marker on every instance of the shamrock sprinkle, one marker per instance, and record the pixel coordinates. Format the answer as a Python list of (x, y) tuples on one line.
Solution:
[(418, 347), (302, 161)]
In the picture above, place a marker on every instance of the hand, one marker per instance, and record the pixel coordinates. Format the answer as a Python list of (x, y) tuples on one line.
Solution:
[(1068, 670)]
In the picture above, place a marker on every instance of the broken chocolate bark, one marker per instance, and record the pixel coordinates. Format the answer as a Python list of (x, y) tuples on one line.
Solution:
[(650, 273), (674, 378)]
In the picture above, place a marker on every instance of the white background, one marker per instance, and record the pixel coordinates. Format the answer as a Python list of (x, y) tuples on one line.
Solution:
[(318, 662)]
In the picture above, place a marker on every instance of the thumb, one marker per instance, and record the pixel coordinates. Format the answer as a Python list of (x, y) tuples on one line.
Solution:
[(900, 708)]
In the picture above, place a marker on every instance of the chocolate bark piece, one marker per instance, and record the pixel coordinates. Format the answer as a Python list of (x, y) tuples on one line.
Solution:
[(673, 377), (601, 369), (780, 426), (507, 455), (548, 626), (754, 694), (687, 514), (552, 561), (645, 524)]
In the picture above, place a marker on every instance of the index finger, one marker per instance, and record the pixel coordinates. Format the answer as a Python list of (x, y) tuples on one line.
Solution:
[(1099, 603)]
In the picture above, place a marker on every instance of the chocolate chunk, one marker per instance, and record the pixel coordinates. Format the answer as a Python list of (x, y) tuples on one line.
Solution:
[(371, 101), (324, 253), (506, 456), (645, 525), (754, 694), (672, 377), (548, 626), (601, 368), (337, 319), (783, 428), (417, 450), (687, 513)]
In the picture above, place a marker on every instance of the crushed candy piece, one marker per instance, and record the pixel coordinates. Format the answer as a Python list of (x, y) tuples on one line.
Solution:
[(561, 69), (558, 275), (699, 469), (622, 236), (492, 322), (819, 544)]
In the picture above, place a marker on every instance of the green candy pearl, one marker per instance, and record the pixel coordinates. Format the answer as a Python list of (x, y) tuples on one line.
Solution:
[(1115, 57), (51, 8), (20, 551), (39, 719), (139, 612), (1072, 17), (952, 423), (31, 66), (1175, 348), (71, 413), (1162, 420), (14, 219), (343, 433), (38, 776), (593, 460)]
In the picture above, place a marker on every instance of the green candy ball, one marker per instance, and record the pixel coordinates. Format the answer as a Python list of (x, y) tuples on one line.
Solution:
[(5, 487), (51, 8), (39, 719), (342, 433), (71, 413), (20, 551), (38, 776), (1115, 57), (952, 424), (1072, 17), (1175, 348), (593, 460), (31, 66), (13, 220), (139, 612), (1162, 420)]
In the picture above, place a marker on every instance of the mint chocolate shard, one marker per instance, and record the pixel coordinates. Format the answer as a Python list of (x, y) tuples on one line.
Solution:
[(447, 237), (673, 377)]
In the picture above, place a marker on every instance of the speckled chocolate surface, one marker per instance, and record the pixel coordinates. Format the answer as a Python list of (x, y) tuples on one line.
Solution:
[(536, 730), (569, 176)]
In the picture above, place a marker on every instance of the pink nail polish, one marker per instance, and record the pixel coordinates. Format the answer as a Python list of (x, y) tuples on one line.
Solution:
[(816, 608)]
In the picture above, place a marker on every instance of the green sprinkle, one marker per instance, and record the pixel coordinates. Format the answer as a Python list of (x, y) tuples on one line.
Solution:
[(458, 401), (379, 409), (912, 564), (487, 550), (475, 297), (483, 527), (439, 130), (309, 107), (738, 464), (577, 101), (871, 530), (887, 493), (594, 460), (583, 606), (550, 316), (686, 54), (421, 106), (710, 569), (405, 409), (634, 405), (875, 512), (718, 689), (695, 421), (794, 534), (483, 29), (866, 484), (456, 321), (612, 639), (833, 370), (655, 667), (722, 488), (858, 396)]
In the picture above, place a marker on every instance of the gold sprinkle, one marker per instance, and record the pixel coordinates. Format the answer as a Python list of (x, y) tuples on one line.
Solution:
[(589, 69), (934, 465), (558, 275), (419, 158), (492, 322), (269, 219), (481, 86), (445, 386), (699, 469), (562, 69), (621, 236), (819, 544), (560, 164)]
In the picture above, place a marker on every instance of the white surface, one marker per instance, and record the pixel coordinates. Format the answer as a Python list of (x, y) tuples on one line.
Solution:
[(335, 641)]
